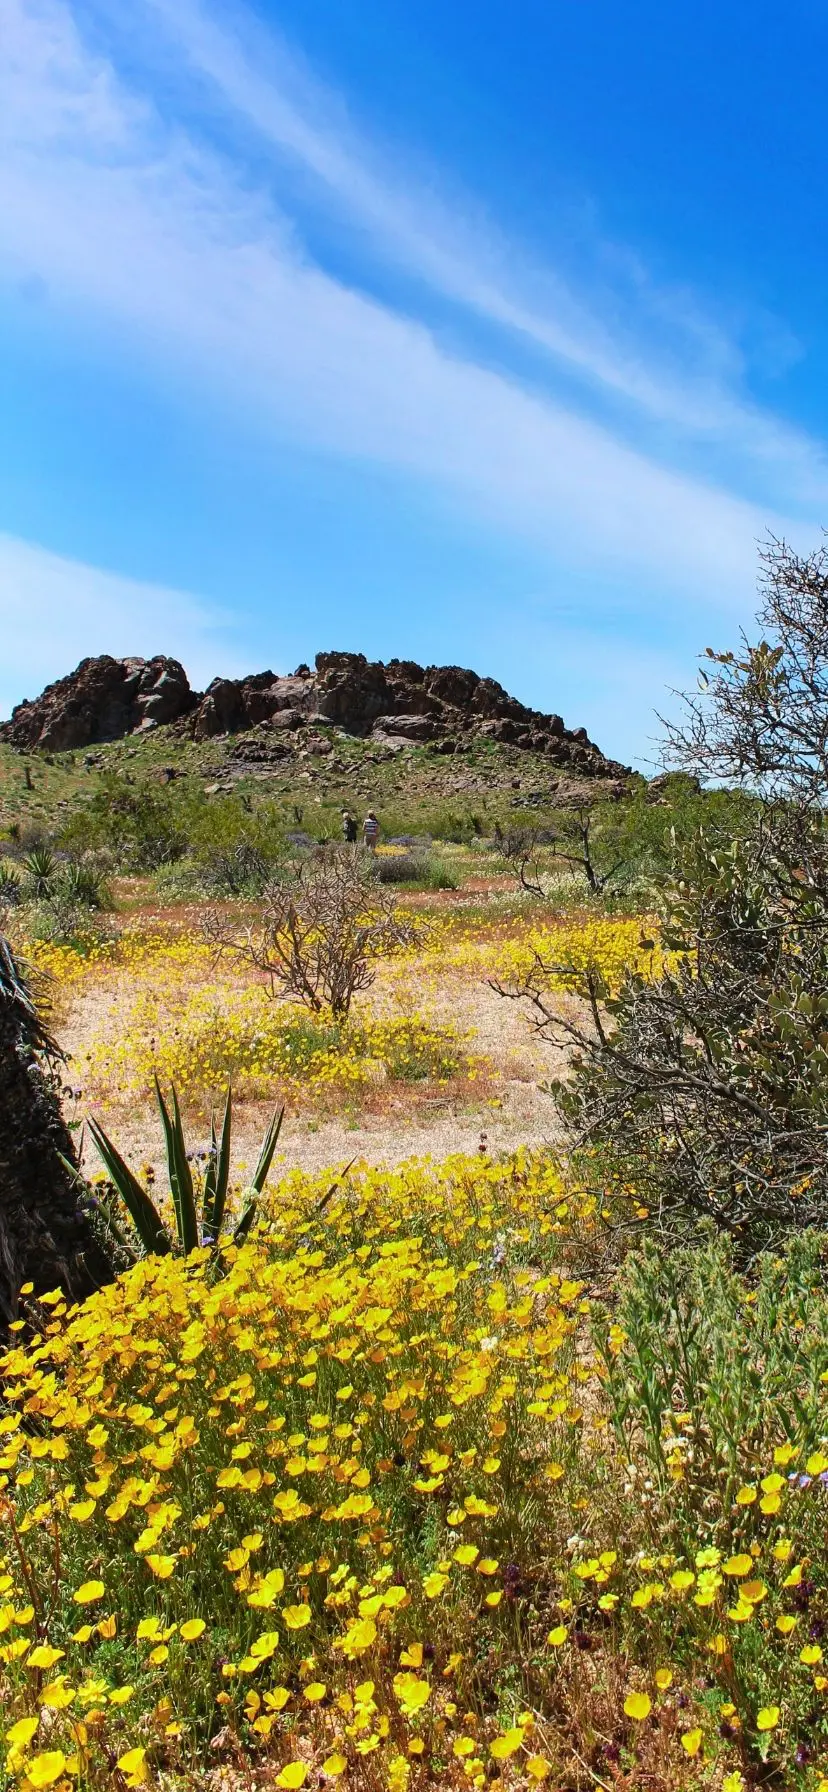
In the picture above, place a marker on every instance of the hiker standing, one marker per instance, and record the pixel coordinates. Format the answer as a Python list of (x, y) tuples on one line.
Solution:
[(349, 828), (370, 831)]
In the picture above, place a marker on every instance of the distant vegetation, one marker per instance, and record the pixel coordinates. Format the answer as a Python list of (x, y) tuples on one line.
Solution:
[(231, 843)]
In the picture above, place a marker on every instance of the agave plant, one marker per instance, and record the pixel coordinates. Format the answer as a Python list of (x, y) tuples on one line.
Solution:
[(41, 869), (85, 886), (192, 1230)]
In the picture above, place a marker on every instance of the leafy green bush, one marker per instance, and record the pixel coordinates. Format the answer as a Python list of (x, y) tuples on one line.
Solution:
[(223, 845), (60, 922), (244, 873), (716, 1398), (708, 1371), (708, 1083), (140, 823), (618, 855)]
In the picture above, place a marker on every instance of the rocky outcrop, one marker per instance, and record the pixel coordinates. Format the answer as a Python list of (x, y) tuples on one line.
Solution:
[(103, 699), (446, 707), (398, 701)]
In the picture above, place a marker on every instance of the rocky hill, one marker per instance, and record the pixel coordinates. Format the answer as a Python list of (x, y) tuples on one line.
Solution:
[(398, 704)]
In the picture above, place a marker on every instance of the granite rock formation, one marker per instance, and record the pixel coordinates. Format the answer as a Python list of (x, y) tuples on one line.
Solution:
[(399, 701), (103, 699), (447, 707)]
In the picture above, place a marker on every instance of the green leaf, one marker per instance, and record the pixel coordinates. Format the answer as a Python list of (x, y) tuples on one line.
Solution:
[(246, 1219), (178, 1169), (103, 1210), (269, 1144), (329, 1195), (209, 1191), (169, 1143), (189, 1216), (142, 1211), (221, 1161)]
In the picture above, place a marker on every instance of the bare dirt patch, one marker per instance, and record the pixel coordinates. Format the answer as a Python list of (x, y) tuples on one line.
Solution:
[(389, 1138), (505, 1103)]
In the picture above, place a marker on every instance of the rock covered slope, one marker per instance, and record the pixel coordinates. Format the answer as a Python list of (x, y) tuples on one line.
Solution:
[(400, 703)]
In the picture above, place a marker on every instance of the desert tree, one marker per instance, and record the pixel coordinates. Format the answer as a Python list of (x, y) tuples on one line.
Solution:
[(706, 1085), (760, 714), (321, 931), (574, 840)]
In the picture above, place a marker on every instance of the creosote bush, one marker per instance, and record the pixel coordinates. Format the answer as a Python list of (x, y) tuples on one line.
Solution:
[(708, 1082)]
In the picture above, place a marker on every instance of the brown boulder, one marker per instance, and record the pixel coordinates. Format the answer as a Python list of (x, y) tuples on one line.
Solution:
[(103, 699), (351, 691), (408, 727), (231, 705)]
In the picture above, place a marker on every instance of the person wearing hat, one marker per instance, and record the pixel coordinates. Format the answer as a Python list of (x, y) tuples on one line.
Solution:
[(349, 828)]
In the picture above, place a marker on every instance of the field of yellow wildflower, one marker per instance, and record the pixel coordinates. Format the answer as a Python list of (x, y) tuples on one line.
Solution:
[(368, 1503), (426, 1484), (160, 1004), (176, 1014)]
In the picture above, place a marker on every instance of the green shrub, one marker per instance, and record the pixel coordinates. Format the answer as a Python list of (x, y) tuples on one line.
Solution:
[(142, 824), (708, 1371), (61, 922), (716, 1399), (242, 873), (427, 872)]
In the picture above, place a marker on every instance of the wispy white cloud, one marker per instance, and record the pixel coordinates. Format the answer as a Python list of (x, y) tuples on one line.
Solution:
[(131, 219), (54, 611), (687, 375)]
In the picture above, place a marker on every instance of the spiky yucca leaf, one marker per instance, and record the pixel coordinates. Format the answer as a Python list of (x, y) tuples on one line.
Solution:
[(260, 1174), (217, 1179), (269, 1144), (179, 1172), (142, 1211), (189, 1217), (246, 1218)]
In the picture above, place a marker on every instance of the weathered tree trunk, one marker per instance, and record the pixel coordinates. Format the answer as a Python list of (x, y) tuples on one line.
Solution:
[(45, 1235)]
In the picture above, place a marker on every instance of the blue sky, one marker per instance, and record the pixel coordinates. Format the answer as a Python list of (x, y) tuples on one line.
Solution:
[(489, 334)]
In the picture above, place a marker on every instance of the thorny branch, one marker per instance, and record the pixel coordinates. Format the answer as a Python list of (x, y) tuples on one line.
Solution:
[(321, 933)]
